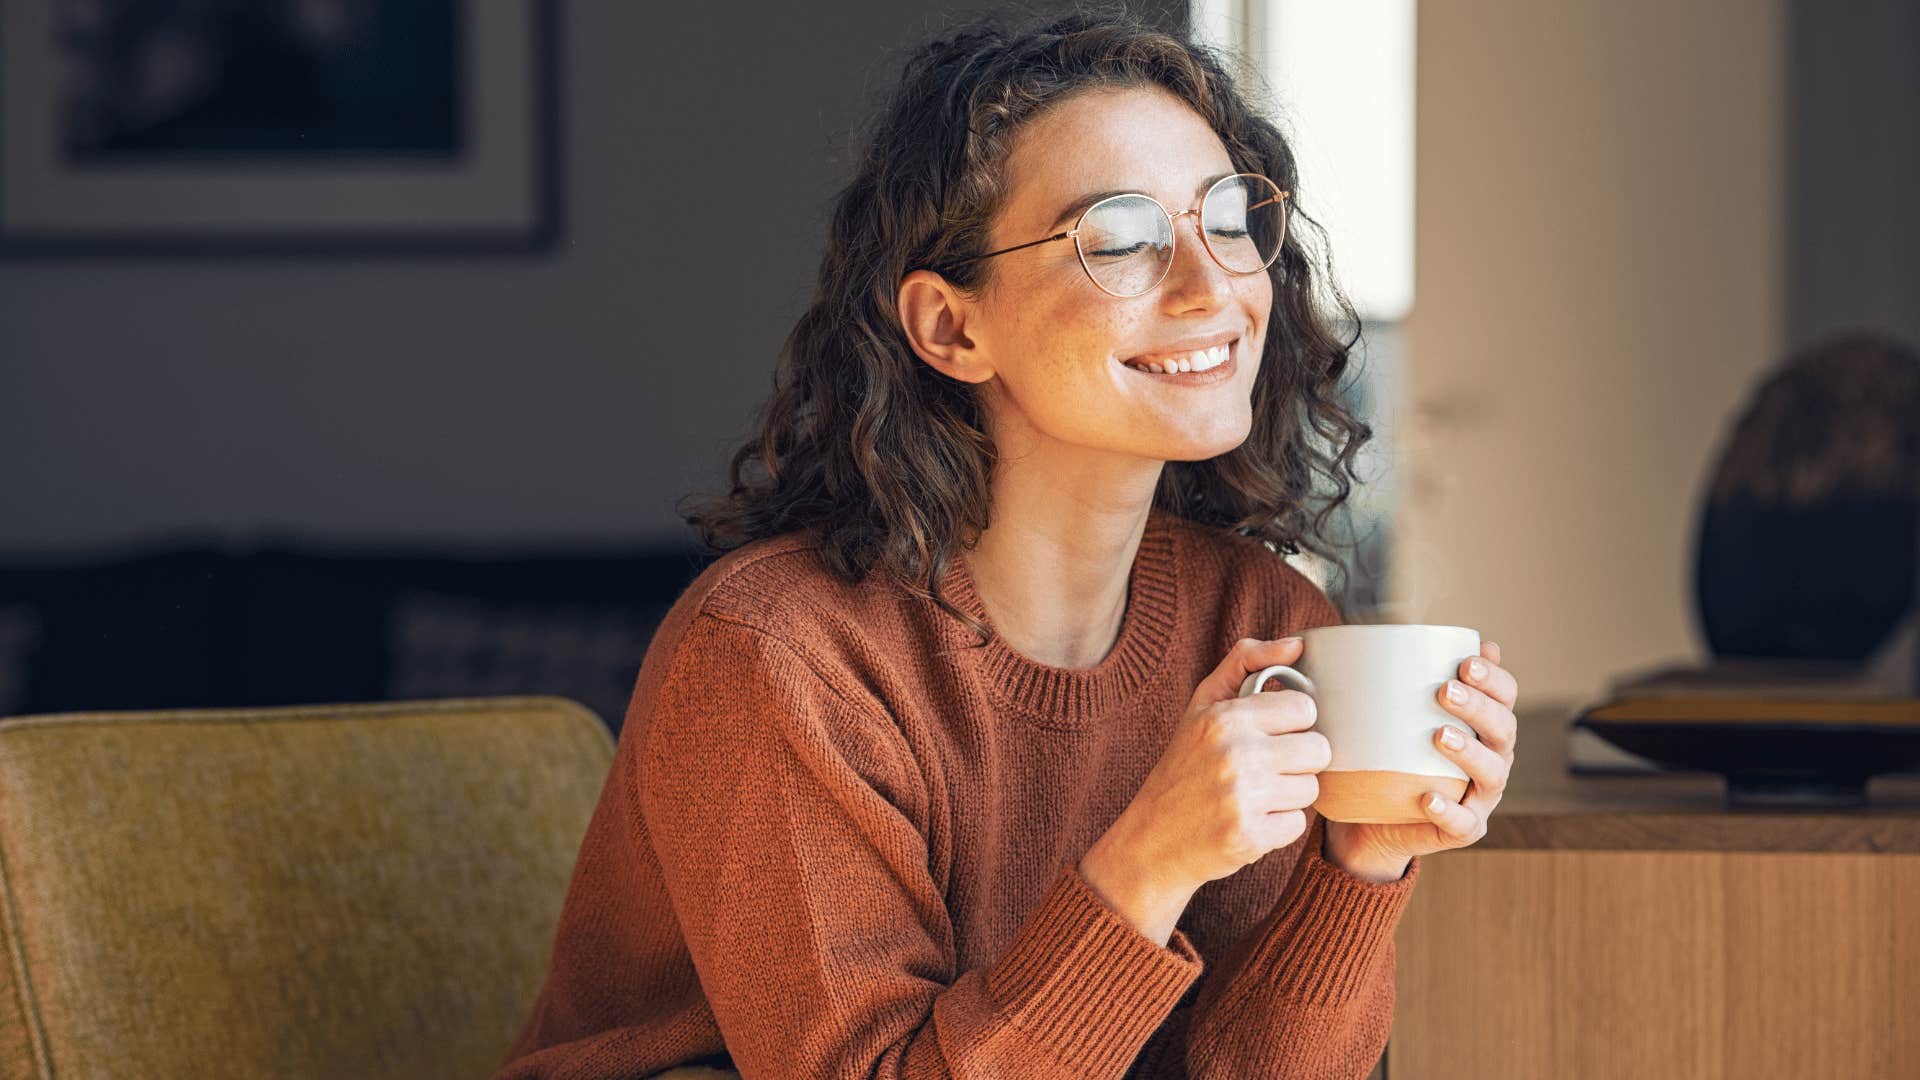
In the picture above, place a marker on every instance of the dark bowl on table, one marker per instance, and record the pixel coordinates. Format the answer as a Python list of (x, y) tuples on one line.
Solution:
[(1773, 752)]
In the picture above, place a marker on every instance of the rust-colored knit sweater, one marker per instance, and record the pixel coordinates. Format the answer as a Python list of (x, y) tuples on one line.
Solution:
[(841, 839)]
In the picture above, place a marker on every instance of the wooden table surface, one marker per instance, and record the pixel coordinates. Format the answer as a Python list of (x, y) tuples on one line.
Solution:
[(1545, 808)]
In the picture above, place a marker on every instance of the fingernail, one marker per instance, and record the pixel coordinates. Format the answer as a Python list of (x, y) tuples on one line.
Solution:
[(1287, 641), (1477, 670), (1456, 693), (1452, 737), (1434, 803)]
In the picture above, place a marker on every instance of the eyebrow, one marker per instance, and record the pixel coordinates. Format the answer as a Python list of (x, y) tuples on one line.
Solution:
[(1079, 205)]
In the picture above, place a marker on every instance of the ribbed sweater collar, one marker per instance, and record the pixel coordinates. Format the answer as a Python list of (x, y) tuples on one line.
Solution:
[(1072, 697)]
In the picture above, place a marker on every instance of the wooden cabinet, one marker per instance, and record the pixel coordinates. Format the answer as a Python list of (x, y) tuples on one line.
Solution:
[(1634, 927)]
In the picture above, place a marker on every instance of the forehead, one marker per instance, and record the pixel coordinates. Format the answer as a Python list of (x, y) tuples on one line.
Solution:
[(1139, 139)]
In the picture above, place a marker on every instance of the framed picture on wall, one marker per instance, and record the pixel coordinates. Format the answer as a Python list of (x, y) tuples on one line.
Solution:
[(277, 126)]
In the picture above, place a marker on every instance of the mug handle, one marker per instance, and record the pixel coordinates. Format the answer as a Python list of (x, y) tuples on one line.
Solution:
[(1293, 679)]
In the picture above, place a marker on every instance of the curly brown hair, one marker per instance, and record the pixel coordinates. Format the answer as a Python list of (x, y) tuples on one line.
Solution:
[(883, 458)]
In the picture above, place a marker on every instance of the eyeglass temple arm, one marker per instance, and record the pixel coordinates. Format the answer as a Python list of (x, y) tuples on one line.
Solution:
[(1016, 247)]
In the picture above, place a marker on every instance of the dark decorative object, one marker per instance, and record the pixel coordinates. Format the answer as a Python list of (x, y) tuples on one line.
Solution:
[(1772, 752), (1807, 546), (277, 126)]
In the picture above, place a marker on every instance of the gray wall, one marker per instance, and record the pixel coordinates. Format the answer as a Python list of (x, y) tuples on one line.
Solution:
[(571, 396), (1855, 169)]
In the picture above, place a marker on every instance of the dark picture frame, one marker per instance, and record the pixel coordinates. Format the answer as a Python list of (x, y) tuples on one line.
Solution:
[(426, 128)]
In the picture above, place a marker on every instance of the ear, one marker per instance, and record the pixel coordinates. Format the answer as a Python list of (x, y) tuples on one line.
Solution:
[(934, 315)]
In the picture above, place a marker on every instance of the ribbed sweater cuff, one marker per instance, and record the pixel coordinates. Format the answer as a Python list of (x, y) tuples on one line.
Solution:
[(1330, 932), (1085, 983)]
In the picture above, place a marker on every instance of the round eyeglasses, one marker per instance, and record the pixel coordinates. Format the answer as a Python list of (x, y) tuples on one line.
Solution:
[(1126, 241)]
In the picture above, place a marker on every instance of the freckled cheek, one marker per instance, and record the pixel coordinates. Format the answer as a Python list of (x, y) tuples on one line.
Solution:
[(1081, 346), (1258, 298), (1254, 346)]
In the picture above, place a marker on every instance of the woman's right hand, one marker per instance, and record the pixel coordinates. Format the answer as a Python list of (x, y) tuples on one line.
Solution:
[(1232, 785)]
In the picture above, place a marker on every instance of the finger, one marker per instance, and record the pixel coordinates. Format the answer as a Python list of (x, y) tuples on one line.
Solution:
[(1460, 825), (1283, 827), (1292, 791), (1490, 678), (1490, 650), (1279, 712), (1301, 752), (1492, 721), (1247, 656), (1484, 766)]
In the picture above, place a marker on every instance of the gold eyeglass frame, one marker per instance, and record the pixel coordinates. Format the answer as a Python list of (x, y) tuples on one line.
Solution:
[(1173, 230)]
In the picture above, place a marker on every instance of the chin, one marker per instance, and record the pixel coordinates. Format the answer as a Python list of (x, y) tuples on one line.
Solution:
[(1200, 449), (1203, 445)]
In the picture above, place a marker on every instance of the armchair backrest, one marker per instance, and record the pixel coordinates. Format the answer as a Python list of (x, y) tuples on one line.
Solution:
[(364, 890)]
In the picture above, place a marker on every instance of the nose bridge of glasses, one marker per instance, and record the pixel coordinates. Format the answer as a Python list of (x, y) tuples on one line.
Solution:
[(1201, 249)]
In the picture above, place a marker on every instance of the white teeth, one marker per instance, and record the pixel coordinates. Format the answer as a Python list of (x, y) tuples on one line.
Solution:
[(1203, 360)]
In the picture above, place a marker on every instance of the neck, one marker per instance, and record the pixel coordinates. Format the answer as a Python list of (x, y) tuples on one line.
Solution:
[(1052, 568)]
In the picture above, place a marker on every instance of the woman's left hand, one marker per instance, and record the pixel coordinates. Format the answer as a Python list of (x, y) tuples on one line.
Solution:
[(1490, 695)]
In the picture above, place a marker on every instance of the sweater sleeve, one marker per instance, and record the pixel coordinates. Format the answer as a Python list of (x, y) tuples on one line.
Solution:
[(1308, 992), (784, 804)]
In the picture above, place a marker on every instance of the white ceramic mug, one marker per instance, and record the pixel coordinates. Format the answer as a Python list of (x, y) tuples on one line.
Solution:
[(1375, 689)]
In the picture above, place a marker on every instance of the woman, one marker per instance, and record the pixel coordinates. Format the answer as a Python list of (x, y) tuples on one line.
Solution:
[(940, 770)]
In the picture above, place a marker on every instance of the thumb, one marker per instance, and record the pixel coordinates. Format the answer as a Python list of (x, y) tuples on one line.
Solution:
[(1247, 656)]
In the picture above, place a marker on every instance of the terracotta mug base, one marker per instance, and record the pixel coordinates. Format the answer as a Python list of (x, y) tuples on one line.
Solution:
[(1379, 797)]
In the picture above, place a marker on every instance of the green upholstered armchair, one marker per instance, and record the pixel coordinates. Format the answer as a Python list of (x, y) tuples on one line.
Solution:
[(358, 890)]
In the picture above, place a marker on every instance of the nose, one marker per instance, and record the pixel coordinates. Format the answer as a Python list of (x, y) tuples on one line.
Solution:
[(1196, 279)]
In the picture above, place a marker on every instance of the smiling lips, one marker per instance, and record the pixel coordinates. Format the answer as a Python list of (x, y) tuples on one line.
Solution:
[(1201, 367), (1198, 360)]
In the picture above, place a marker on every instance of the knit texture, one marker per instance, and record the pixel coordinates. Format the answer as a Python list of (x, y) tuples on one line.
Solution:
[(841, 838)]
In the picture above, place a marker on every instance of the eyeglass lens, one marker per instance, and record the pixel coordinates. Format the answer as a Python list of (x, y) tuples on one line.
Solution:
[(1126, 241)]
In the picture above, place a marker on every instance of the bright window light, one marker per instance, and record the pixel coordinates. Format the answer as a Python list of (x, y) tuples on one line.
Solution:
[(1342, 75)]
